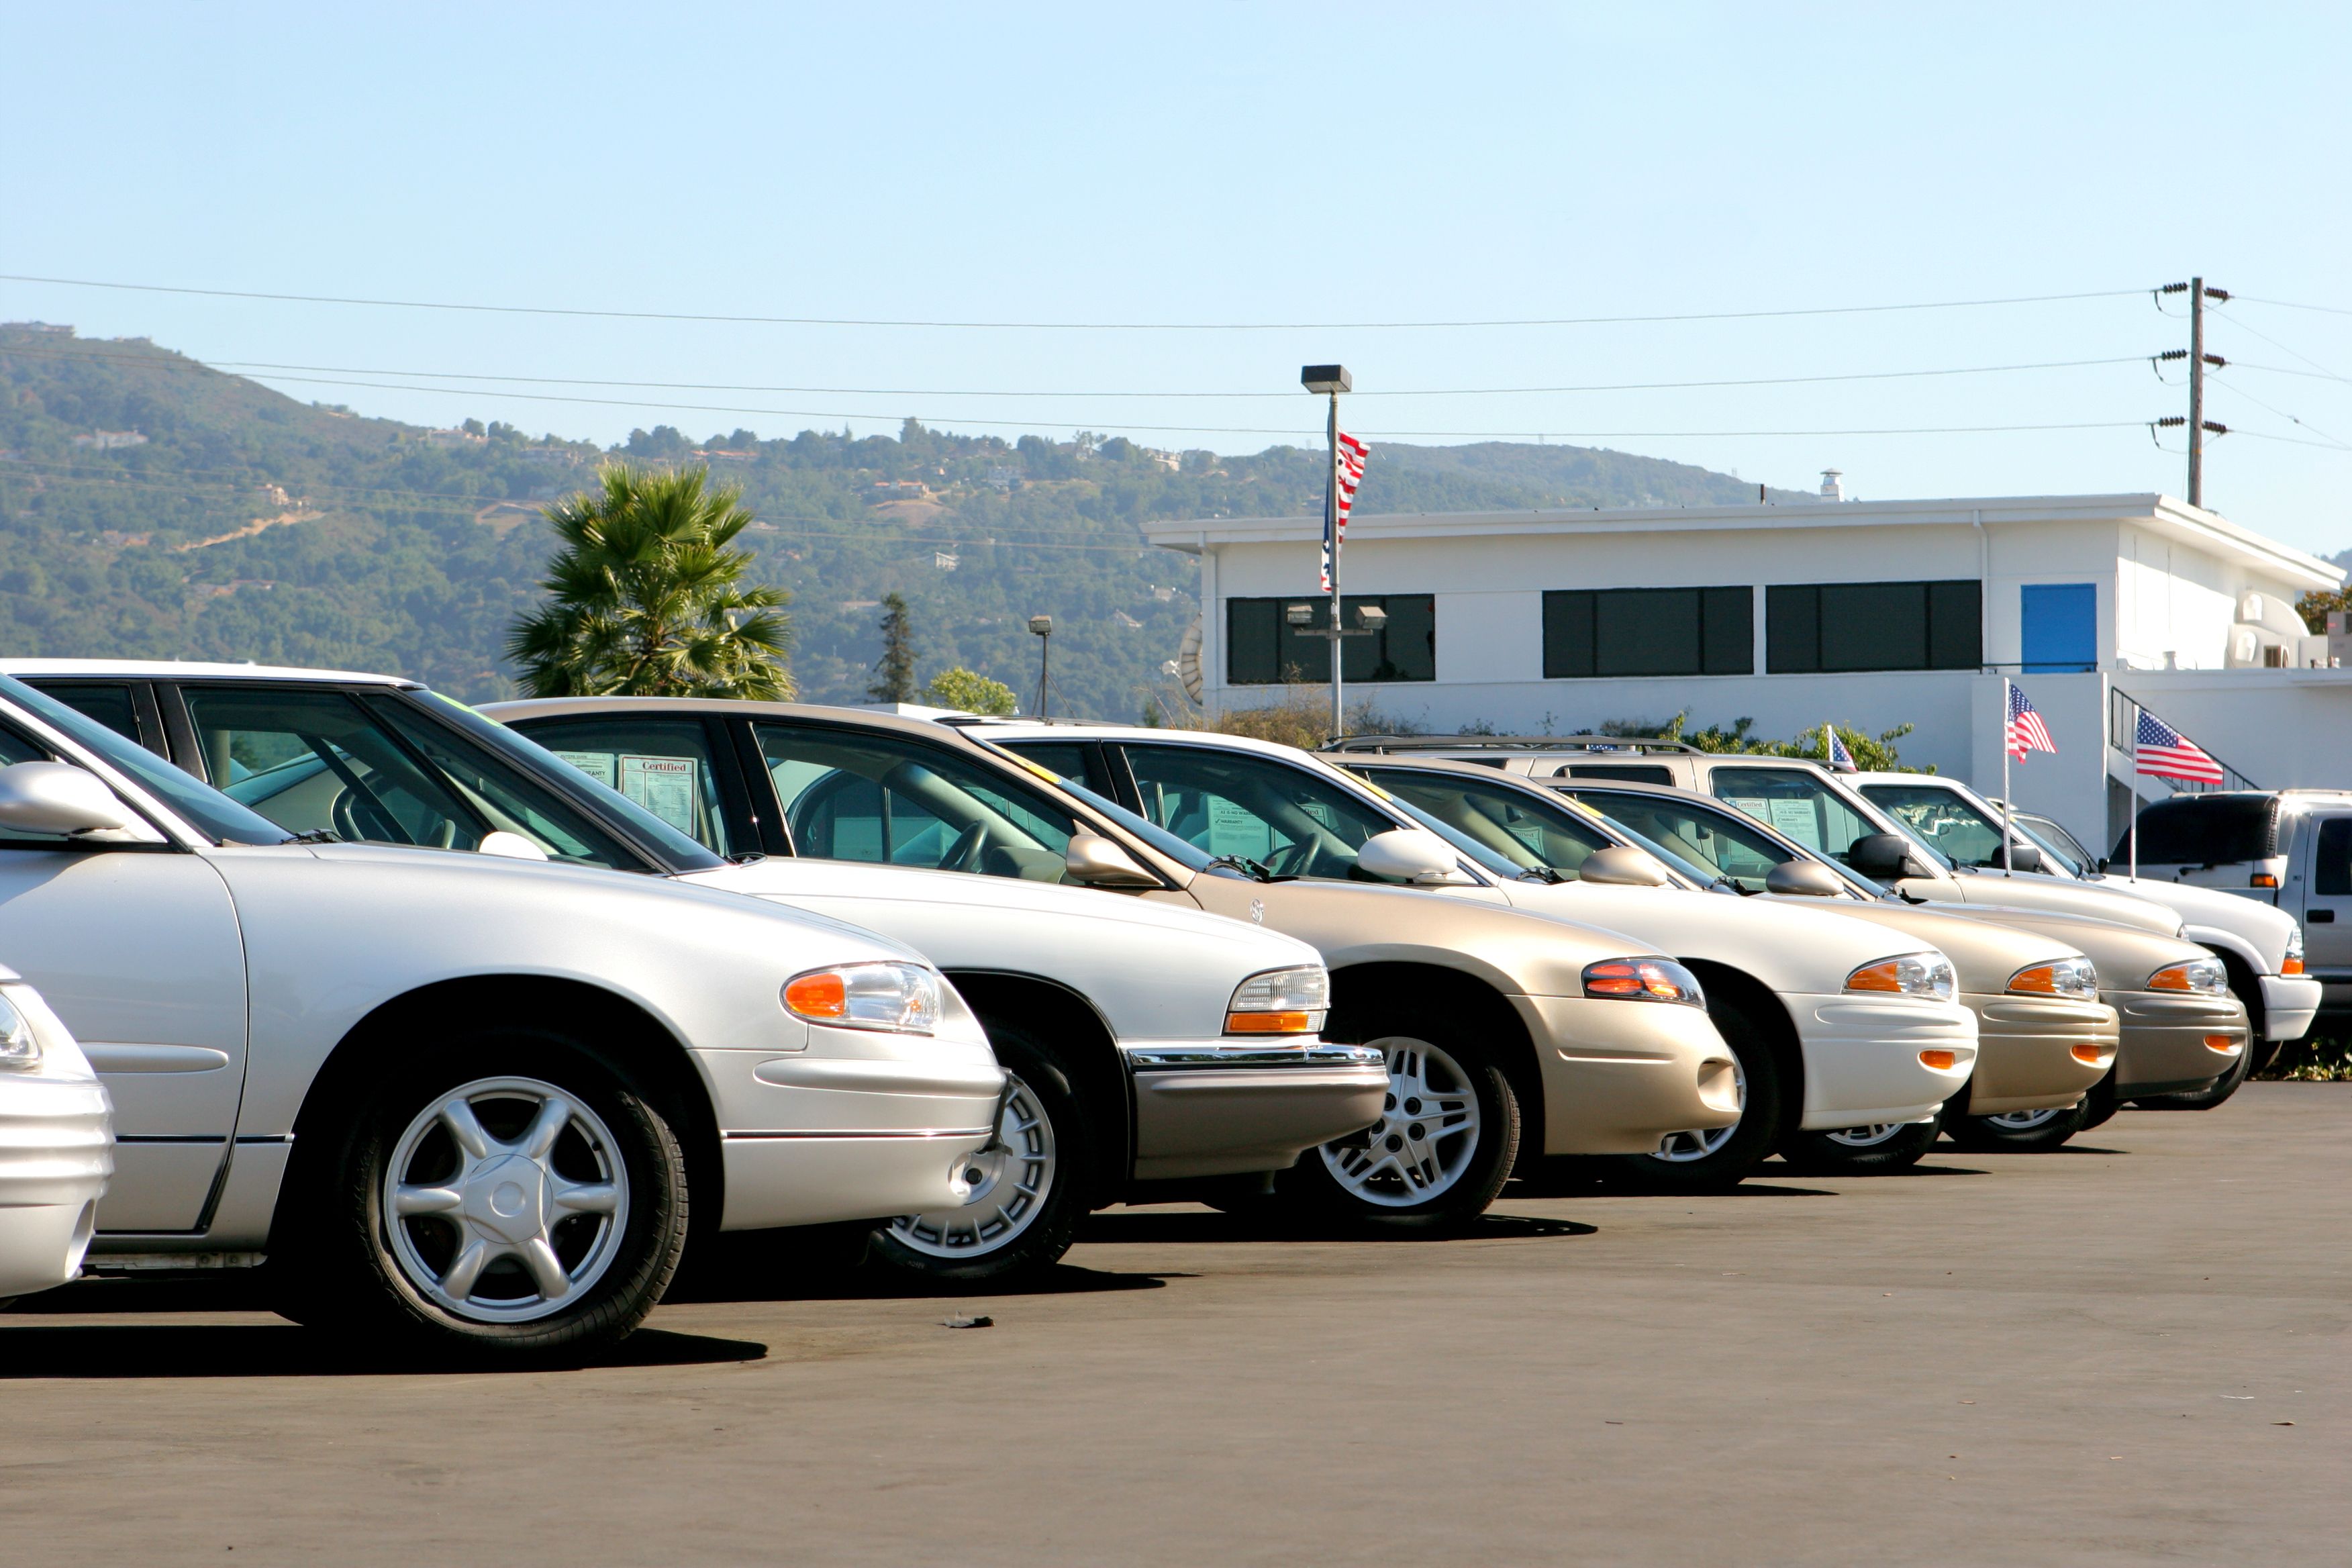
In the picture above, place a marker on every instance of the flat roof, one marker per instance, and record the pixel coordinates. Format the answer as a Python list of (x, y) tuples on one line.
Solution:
[(2162, 514)]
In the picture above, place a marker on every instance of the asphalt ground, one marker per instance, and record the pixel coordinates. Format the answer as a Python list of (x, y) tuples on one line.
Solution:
[(2131, 1351)]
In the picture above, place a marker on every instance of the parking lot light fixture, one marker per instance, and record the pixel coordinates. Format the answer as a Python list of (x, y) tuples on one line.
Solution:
[(1042, 627)]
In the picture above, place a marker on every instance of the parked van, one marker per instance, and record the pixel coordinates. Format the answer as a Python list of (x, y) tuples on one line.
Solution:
[(2291, 848)]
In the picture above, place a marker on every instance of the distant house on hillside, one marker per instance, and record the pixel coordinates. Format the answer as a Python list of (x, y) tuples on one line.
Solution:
[(453, 439), (721, 455), (50, 327), (107, 440), (899, 490)]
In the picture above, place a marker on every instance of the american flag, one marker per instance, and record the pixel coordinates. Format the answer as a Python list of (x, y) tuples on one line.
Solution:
[(1347, 473), (1840, 760), (2163, 752), (2027, 732)]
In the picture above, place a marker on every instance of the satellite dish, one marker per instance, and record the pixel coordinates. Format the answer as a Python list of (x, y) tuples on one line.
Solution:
[(1188, 661)]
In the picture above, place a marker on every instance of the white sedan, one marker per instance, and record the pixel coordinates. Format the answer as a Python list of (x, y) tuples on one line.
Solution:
[(456, 1098), (57, 1144)]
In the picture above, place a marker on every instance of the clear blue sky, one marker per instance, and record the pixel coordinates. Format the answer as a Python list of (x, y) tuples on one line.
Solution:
[(1209, 163)]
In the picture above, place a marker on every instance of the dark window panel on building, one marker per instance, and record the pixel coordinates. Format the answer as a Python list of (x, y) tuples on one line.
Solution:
[(1262, 648), (1847, 628), (1648, 631)]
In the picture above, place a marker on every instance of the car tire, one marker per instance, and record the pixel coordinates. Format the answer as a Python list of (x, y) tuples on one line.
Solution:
[(1030, 1188), (2017, 1132), (2207, 1099), (1713, 1160), (2099, 1103), (507, 1195), (1447, 1138), (1860, 1150)]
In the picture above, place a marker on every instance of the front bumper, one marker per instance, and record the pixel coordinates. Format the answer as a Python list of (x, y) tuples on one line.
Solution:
[(2289, 1004), (1862, 1057), (57, 1150), (807, 1140), (1219, 1108), (1619, 1076), (2163, 1050), (2025, 1051)]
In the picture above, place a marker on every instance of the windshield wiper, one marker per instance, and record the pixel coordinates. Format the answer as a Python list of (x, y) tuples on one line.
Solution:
[(1541, 874), (1244, 865), (317, 836)]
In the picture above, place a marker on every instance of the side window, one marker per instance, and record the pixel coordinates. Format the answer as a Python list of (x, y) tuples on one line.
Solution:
[(1227, 803), (1743, 855), (878, 798), (313, 762), (1067, 759), (1499, 818), (1943, 819), (1791, 802), (505, 796), (663, 764), (111, 703), (2331, 872)]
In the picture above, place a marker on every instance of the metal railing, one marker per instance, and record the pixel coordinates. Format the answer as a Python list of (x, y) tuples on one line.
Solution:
[(2123, 726)]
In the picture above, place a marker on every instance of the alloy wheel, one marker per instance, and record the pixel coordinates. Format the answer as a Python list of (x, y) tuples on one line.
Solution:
[(1685, 1147), (1009, 1180), (2027, 1121), (505, 1199), (1869, 1137), (1428, 1132)]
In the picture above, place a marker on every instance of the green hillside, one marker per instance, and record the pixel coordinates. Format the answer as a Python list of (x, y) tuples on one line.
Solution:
[(246, 525)]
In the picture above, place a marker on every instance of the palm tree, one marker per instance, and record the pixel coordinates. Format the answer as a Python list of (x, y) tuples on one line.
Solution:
[(647, 597)]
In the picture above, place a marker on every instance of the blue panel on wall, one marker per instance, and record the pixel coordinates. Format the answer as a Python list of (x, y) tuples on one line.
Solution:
[(2060, 626)]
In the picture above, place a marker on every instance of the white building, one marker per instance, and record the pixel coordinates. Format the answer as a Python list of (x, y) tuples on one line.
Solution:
[(1871, 613)]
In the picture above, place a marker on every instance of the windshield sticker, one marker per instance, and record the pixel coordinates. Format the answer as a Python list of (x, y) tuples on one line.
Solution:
[(1796, 818), (597, 765), (663, 785)]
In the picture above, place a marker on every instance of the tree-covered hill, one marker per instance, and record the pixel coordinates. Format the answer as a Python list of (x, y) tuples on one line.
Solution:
[(150, 507)]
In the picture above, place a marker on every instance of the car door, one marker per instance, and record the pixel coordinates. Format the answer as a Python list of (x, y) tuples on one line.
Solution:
[(136, 947), (2327, 905)]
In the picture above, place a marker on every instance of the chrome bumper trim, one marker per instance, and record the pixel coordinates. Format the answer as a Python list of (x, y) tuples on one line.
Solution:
[(1193, 1056)]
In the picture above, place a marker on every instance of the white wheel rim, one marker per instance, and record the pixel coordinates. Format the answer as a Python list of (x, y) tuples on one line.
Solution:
[(2027, 1121), (505, 1199), (1684, 1148), (1868, 1137), (1428, 1132), (1010, 1181)]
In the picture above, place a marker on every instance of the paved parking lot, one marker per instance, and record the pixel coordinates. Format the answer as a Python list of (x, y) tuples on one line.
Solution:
[(2131, 1351)]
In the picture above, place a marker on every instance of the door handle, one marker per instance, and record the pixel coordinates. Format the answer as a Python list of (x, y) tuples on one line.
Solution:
[(2319, 917)]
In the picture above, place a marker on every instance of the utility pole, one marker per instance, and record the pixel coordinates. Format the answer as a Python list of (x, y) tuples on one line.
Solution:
[(1332, 380), (2199, 426)]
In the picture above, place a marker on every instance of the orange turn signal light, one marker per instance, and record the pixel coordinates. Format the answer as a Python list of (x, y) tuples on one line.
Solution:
[(825, 994), (2091, 1056), (1942, 1061), (2261, 879), (2294, 965), (1269, 1023), (2225, 1044)]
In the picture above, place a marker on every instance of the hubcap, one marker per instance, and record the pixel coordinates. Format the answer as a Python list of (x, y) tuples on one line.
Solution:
[(505, 1199), (1868, 1137), (1682, 1147), (1428, 1132), (2027, 1121), (1010, 1180)]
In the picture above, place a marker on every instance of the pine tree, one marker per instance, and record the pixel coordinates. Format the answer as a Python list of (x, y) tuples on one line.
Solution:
[(894, 672)]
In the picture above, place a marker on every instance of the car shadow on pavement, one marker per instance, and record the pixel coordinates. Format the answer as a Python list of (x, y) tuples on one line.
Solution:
[(30, 1348), (875, 1282), (1161, 1226)]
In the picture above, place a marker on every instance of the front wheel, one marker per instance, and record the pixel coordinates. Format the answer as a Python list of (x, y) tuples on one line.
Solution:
[(1448, 1133), (1717, 1157), (2024, 1131), (1029, 1187), (510, 1195), (1861, 1150)]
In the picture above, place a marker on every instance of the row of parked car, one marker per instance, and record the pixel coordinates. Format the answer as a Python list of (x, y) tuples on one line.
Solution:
[(465, 1025)]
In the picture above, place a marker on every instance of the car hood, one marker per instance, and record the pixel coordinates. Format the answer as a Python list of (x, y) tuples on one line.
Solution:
[(2210, 913), (2125, 955), (1151, 969), (1790, 949), (2030, 891), (1985, 955)]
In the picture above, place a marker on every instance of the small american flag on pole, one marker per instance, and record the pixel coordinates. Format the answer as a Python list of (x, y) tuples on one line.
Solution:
[(1347, 473), (2027, 732), (1840, 760), (2163, 752)]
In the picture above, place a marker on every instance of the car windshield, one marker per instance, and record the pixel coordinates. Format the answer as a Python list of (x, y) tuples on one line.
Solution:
[(1512, 821), (1740, 852), (1796, 803), (1167, 843), (1942, 819), (200, 806), (2057, 844)]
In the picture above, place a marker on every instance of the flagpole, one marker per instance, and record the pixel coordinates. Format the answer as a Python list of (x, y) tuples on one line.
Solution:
[(2132, 832), (1331, 532), (2008, 718)]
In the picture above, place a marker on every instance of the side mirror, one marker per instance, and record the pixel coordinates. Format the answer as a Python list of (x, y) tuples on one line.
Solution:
[(1803, 879), (1886, 857), (2023, 857), (2103, 865), (1099, 863), (1622, 866), (57, 798), (513, 846), (1409, 854)]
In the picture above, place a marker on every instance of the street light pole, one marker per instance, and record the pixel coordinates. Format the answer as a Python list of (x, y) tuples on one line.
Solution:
[(1332, 380), (1043, 626)]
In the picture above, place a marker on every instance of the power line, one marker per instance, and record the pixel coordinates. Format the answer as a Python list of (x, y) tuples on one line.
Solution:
[(1058, 326), (180, 362), (2292, 305), (2282, 413)]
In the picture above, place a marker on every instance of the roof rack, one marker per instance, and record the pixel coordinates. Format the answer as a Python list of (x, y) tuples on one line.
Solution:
[(1635, 745)]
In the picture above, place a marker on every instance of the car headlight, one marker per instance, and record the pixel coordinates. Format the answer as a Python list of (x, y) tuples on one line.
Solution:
[(2204, 976), (18, 1048), (1909, 974), (1281, 1002), (2293, 962), (1644, 980), (2073, 977), (904, 998)]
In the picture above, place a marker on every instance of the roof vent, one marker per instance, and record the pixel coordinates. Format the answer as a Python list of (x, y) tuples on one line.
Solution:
[(1833, 485)]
